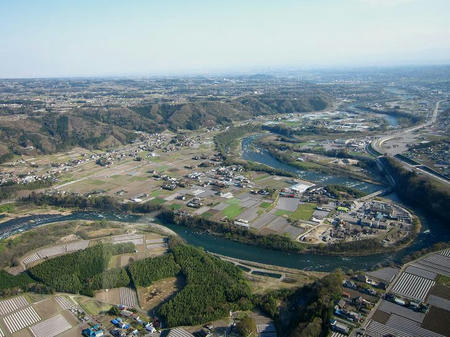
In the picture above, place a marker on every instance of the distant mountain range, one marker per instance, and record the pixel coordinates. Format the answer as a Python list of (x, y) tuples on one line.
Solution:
[(100, 127)]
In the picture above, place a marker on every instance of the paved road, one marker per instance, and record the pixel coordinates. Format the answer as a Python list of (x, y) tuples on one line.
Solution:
[(377, 145)]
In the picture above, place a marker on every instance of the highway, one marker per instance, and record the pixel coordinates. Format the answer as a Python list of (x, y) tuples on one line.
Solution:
[(377, 145)]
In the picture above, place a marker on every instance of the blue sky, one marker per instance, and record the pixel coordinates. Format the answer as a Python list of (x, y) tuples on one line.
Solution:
[(144, 37)]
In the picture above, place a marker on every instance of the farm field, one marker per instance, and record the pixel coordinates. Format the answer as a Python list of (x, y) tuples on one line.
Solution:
[(32, 315), (152, 296)]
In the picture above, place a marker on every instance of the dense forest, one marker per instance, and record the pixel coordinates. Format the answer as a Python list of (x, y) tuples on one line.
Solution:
[(113, 278), (8, 281), (144, 272), (226, 141), (307, 310), (100, 202), (8, 190), (78, 272), (107, 126), (213, 288), (419, 190)]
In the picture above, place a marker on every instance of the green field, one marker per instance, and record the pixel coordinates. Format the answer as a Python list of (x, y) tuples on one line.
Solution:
[(443, 280), (304, 212), (6, 208), (233, 210), (261, 177), (95, 308), (157, 201), (137, 178), (95, 182), (155, 193), (175, 206), (265, 204), (281, 212)]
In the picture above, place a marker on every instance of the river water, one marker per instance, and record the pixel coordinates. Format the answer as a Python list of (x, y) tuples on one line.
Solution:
[(252, 153), (438, 231)]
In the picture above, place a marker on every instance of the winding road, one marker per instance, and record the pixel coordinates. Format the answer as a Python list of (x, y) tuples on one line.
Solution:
[(377, 146)]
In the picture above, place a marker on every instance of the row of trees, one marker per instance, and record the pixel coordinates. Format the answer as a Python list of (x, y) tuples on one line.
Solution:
[(232, 232), (102, 202), (8, 190), (340, 191)]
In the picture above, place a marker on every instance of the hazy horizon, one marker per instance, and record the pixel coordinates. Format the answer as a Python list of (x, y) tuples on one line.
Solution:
[(146, 38)]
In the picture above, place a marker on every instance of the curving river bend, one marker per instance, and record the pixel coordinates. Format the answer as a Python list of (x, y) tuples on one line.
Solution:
[(438, 230)]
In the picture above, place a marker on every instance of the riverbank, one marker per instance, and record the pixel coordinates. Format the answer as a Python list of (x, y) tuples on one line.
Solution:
[(262, 157), (223, 246), (278, 242), (284, 157)]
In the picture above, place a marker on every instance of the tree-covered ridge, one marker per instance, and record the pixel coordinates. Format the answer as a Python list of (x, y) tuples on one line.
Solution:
[(307, 310), (8, 281), (144, 272), (100, 202), (108, 126), (213, 288), (227, 140), (75, 272), (313, 317), (419, 190), (113, 278)]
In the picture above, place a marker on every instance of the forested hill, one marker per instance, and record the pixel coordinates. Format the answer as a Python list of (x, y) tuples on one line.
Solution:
[(420, 191), (214, 111), (105, 126)]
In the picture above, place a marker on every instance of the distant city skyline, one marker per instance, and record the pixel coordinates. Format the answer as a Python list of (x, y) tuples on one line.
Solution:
[(140, 38)]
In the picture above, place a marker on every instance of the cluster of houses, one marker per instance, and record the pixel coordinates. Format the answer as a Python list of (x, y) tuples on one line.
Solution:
[(438, 154), (352, 307), (94, 331), (375, 214), (122, 328), (30, 177)]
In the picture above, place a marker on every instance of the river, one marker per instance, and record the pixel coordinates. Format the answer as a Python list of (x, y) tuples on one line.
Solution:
[(438, 231), (250, 152), (243, 251)]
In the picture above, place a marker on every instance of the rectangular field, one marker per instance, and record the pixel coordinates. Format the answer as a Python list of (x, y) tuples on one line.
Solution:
[(31, 258), (12, 304), (128, 297), (64, 302), (392, 308), (75, 246), (133, 238), (304, 212), (21, 319), (50, 327), (412, 286), (52, 251)]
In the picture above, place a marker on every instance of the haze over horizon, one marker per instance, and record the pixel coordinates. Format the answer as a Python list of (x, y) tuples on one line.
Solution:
[(138, 38)]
